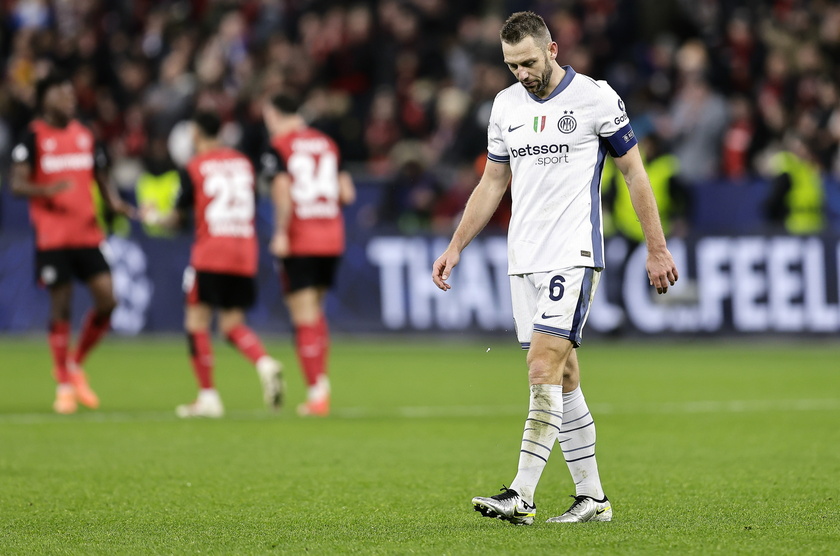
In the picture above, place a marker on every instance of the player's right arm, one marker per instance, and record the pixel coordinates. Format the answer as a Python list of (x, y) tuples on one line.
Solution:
[(107, 190), (23, 158), (481, 205), (662, 271), (281, 197)]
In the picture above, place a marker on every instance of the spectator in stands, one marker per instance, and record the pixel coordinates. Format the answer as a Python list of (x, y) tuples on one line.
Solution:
[(377, 72), (697, 118), (411, 193), (158, 186), (738, 139), (797, 199)]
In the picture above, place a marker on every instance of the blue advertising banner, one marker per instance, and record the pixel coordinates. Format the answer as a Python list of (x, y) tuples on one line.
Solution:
[(728, 285)]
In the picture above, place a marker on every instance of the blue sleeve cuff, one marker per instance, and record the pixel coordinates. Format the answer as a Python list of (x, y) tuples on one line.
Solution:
[(501, 159)]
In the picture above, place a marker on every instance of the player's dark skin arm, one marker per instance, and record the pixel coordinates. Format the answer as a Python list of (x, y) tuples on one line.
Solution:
[(110, 196), (22, 186), (281, 196)]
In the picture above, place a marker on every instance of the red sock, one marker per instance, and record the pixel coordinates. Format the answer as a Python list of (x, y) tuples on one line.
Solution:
[(309, 351), (201, 355), (59, 340), (94, 327), (248, 343), (324, 332)]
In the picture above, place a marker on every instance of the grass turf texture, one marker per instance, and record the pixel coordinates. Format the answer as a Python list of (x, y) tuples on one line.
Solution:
[(703, 448)]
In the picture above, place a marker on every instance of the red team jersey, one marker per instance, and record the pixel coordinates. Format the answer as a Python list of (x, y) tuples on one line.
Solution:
[(219, 184), (311, 159), (68, 218)]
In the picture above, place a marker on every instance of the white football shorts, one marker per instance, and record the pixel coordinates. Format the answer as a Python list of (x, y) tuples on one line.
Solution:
[(555, 303)]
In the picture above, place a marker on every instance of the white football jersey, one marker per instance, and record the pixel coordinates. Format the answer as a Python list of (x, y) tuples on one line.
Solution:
[(556, 148)]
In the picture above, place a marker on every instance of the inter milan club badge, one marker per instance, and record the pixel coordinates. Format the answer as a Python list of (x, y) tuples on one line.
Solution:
[(567, 123)]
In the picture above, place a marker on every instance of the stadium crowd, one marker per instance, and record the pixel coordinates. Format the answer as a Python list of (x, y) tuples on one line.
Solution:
[(405, 86)]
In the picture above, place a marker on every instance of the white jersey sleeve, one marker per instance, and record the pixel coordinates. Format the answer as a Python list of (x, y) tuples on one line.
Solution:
[(497, 150), (613, 124)]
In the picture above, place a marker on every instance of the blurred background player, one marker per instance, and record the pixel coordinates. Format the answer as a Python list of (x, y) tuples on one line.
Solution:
[(56, 166), (308, 190), (218, 185)]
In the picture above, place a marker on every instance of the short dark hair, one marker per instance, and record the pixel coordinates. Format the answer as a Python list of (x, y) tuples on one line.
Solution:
[(53, 79), (285, 103), (525, 24), (208, 122)]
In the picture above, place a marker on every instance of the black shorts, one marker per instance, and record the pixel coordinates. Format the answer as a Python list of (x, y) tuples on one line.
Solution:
[(308, 272), (54, 267), (227, 291)]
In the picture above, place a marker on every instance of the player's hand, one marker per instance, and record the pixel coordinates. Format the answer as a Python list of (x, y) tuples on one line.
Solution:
[(443, 268), (662, 272), (150, 215), (57, 187), (279, 246), (121, 207)]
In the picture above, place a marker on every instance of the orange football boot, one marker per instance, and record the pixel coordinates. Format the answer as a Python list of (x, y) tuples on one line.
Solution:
[(315, 408), (65, 400), (84, 394)]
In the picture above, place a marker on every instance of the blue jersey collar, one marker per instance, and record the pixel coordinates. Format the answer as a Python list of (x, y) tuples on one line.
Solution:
[(570, 74)]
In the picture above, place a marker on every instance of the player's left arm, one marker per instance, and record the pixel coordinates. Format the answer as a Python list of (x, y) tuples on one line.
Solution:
[(661, 269), (102, 176), (23, 166), (346, 188)]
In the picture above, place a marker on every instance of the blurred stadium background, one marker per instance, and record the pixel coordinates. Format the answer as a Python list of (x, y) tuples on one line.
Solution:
[(707, 447), (737, 92)]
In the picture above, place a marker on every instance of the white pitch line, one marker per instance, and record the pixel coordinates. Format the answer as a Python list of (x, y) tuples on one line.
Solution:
[(438, 412), (732, 406)]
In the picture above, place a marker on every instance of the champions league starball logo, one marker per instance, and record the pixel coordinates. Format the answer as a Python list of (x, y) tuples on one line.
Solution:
[(132, 286)]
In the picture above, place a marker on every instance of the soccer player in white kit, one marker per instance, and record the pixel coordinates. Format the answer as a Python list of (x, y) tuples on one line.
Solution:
[(551, 132)]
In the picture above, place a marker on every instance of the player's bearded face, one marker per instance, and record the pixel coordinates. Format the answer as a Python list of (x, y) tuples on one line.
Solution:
[(539, 84), (530, 63)]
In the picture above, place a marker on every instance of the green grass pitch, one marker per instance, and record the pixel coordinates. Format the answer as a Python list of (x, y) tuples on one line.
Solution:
[(704, 448)]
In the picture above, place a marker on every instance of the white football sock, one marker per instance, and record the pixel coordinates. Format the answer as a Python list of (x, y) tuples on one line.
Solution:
[(577, 440), (545, 417), (319, 390), (209, 395)]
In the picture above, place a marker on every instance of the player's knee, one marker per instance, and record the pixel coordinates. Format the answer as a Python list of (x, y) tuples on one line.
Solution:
[(60, 308), (571, 374), (227, 328), (106, 305), (58, 314), (543, 370)]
